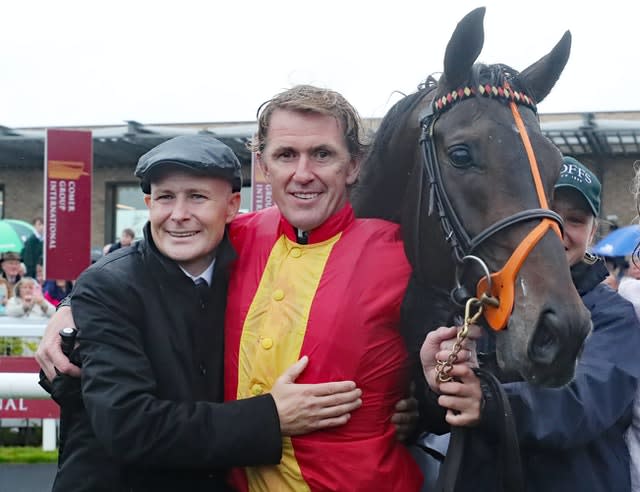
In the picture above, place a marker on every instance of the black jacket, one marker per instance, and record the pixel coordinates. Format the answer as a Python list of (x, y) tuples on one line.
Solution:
[(114, 247), (32, 254), (151, 350)]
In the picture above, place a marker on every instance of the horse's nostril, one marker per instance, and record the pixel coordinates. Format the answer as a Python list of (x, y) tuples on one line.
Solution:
[(545, 340), (545, 343)]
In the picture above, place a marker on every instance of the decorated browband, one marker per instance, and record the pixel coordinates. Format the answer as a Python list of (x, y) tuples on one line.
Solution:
[(501, 92)]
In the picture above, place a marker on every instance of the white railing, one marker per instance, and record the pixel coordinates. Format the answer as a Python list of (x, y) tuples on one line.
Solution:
[(16, 327), (25, 385), (21, 385)]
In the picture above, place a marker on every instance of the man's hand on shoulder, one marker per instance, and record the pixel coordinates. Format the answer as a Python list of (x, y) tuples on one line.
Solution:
[(49, 354), (304, 408)]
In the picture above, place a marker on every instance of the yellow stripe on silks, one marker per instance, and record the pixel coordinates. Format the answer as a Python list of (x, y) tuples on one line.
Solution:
[(272, 337)]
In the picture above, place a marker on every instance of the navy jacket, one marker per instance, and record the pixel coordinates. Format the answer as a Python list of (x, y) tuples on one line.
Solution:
[(571, 438)]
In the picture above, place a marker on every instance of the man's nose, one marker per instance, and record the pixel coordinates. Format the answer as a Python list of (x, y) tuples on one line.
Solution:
[(180, 209), (303, 171)]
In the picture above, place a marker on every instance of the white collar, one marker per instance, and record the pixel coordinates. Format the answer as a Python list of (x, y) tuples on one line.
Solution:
[(207, 275)]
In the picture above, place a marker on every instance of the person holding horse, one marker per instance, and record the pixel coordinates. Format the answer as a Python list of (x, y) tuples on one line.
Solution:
[(572, 438)]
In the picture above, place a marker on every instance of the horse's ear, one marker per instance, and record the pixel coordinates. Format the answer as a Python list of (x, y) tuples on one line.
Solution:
[(464, 48), (539, 78)]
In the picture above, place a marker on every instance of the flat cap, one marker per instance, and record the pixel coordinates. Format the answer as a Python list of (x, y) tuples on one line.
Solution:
[(10, 255), (201, 153)]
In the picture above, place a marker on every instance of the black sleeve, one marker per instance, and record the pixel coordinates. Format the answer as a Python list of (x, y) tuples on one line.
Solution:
[(66, 302), (118, 388)]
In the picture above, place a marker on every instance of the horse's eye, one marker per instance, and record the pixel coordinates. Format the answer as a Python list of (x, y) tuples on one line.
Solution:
[(460, 156)]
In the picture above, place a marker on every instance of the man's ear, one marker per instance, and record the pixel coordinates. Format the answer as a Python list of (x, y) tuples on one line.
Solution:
[(147, 201), (353, 171), (233, 205)]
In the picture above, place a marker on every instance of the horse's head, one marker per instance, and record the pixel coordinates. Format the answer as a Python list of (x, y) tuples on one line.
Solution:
[(475, 167)]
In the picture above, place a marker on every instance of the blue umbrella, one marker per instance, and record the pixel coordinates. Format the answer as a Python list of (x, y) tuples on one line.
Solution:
[(620, 242)]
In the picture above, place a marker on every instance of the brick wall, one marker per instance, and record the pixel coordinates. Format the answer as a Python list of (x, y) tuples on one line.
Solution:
[(24, 198), (23, 193), (617, 198)]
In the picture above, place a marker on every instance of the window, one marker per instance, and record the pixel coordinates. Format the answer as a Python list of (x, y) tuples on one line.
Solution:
[(125, 209), (245, 203)]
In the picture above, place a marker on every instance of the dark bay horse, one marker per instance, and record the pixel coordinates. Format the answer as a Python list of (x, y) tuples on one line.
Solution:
[(463, 166)]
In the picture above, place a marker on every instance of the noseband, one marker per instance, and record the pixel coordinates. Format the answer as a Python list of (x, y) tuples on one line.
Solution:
[(497, 290)]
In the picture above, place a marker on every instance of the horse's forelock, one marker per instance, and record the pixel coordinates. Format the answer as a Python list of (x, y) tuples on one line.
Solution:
[(493, 75)]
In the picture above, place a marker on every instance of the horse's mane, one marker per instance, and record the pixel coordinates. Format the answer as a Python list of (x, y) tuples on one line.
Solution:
[(393, 119)]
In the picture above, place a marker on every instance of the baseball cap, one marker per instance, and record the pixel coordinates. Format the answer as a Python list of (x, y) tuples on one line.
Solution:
[(201, 153), (577, 176)]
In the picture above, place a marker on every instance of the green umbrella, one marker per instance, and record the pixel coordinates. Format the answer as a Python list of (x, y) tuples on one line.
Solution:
[(24, 229), (13, 234)]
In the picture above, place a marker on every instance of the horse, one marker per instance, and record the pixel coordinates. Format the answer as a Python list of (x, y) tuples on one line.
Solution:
[(463, 166)]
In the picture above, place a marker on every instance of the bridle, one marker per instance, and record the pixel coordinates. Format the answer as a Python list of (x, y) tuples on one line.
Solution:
[(496, 291)]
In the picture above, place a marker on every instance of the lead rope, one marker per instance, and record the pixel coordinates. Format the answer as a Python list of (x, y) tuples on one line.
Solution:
[(444, 367)]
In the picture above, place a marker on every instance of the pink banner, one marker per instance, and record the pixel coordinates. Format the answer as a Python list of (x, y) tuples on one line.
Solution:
[(260, 189), (68, 173), (20, 408)]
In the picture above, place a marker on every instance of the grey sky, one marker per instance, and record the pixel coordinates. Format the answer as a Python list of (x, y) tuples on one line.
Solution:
[(101, 62)]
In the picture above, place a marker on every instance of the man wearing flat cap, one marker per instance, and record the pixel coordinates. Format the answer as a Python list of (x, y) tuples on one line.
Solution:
[(150, 341), (10, 262)]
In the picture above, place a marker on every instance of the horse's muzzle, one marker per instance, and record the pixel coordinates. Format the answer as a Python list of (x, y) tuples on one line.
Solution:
[(555, 345)]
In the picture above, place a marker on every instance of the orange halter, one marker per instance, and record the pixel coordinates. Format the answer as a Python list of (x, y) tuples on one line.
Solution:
[(503, 281)]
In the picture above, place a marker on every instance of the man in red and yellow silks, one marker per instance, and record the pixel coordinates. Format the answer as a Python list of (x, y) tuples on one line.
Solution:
[(311, 279)]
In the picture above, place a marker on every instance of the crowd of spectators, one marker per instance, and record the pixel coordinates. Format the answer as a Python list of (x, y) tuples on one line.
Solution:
[(26, 294)]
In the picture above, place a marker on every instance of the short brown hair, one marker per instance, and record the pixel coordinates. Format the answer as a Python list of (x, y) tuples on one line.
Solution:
[(310, 99)]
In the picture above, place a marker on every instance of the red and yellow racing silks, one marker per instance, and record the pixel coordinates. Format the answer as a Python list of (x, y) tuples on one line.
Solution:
[(337, 300)]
